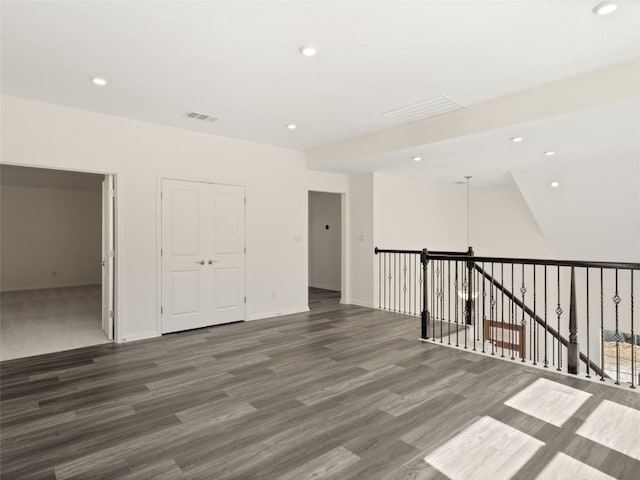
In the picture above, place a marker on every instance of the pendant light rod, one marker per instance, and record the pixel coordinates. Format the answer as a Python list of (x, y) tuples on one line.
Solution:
[(468, 177)]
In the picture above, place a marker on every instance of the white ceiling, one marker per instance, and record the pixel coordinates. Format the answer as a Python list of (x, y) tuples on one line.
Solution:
[(584, 140), (239, 61)]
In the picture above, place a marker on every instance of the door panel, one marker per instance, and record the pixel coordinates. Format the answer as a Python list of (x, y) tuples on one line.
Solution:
[(186, 221), (202, 254), (185, 292), (108, 256)]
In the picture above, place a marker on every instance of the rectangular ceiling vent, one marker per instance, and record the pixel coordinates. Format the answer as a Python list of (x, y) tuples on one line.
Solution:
[(201, 116), (432, 107)]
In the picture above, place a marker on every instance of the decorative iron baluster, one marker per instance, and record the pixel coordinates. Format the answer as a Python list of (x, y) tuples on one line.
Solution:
[(456, 304), (588, 330), (449, 302), (616, 300), (546, 360), (484, 315), (493, 317), (536, 339), (559, 313), (633, 340), (523, 322), (602, 325), (512, 319), (404, 287), (573, 352), (441, 297), (502, 297)]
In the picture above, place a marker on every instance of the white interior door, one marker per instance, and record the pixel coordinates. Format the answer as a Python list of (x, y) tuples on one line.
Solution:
[(108, 256), (202, 254)]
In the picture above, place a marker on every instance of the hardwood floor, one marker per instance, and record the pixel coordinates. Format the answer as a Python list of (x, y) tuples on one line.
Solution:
[(340, 392)]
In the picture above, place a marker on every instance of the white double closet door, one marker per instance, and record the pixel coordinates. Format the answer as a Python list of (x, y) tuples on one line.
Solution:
[(203, 254)]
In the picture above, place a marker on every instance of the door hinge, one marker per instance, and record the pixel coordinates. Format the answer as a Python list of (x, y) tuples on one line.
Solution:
[(245, 299), (245, 200), (161, 252), (112, 253), (245, 249), (110, 313), (161, 195), (161, 310)]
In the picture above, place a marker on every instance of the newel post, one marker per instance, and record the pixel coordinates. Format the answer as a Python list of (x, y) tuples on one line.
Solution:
[(424, 259), (573, 352), (469, 302)]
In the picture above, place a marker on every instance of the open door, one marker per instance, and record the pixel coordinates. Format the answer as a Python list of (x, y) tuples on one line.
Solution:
[(108, 256)]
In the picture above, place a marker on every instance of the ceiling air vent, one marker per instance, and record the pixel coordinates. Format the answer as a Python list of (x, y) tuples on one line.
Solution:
[(201, 116), (432, 107)]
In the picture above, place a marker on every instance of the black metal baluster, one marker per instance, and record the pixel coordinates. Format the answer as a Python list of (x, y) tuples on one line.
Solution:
[(559, 313), (410, 283), (384, 292), (588, 330), (484, 298), (433, 294), (602, 325), (424, 260), (502, 322), (512, 319), (493, 317), (523, 322), (441, 298), (404, 287), (546, 360), (379, 281), (534, 321), (633, 340), (456, 304), (449, 302), (466, 304), (616, 301)]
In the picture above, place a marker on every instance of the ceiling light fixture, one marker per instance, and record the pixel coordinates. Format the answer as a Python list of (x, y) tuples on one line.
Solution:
[(416, 159), (99, 81), (291, 126), (555, 184), (516, 139), (308, 50), (550, 153), (605, 8)]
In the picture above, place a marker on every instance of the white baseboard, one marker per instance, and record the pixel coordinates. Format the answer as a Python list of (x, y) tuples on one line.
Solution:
[(286, 311), (360, 303), (325, 287), (134, 337)]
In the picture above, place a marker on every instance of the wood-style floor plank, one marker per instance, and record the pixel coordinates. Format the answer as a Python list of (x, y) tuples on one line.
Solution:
[(340, 392)]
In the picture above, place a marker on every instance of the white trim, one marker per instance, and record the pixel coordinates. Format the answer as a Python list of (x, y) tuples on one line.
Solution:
[(134, 337), (286, 311), (159, 178), (360, 303), (117, 325)]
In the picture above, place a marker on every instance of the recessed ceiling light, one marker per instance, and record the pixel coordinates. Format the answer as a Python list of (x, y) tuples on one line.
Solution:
[(549, 153), (308, 50), (291, 126), (516, 139), (99, 81), (555, 184), (604, 8), (416, 159)]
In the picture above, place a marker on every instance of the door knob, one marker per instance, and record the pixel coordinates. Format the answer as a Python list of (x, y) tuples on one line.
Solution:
[(201, 262)]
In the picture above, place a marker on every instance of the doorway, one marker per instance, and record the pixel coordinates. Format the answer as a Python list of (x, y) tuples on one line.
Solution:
[(202, 254), (325, 247), (57, 250)]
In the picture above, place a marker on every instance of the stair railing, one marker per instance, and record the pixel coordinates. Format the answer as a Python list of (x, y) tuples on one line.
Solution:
[(517, 308)]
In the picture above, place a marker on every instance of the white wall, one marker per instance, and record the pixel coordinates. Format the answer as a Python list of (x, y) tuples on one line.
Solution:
[(414, 214), (325, 244), (39, 134), (361, 258), (51, 237)]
